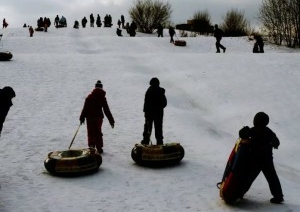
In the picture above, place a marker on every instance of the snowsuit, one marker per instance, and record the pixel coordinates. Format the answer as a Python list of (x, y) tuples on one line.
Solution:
[(6, 94), (94, 106), (218, 35), (262, 141), (155, 102)]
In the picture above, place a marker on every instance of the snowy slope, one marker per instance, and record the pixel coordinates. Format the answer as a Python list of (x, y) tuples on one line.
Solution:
[(210, 97)]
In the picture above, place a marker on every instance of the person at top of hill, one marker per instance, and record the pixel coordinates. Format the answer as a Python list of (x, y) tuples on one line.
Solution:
[(218, 34), (123, 21), (83, 22), (258, 45), (98, 21), (94, 106), (6, 95), (31, 31), (92, 20), (4, 23), (171, 33), (160, 30), (56, 20), (262, 141), (132, 29), (154, 104)]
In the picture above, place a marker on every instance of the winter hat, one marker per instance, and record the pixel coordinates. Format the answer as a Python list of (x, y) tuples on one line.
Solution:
[(9, 91), (154, 81), (98, 84), (261, 120)]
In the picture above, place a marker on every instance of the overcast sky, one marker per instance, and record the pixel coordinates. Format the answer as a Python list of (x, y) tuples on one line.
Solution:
[(18, 12)]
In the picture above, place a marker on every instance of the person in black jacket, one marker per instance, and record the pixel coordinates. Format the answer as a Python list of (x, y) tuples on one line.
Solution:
[(6, 95), (218, 35), (262, 141), (155, 102), (258, 45), (172, 33)]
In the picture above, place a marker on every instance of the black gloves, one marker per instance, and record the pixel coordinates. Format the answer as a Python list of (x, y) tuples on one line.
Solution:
[(81, 120)]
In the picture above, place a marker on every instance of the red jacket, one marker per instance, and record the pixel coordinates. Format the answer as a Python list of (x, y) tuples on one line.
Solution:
[(94, 106)]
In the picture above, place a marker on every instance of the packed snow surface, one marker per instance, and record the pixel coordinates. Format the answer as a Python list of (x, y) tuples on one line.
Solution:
[(210, 97)]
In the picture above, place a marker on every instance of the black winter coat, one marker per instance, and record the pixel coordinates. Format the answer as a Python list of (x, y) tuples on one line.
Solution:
[(218, 33), (5, 104), (263, 140), (155, 100)]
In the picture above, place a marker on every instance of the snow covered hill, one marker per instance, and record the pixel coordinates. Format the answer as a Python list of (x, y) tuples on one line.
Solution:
[(210, 97)]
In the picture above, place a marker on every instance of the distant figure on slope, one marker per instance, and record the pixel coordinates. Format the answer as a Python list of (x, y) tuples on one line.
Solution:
[(218, 33), (123, 21), (258, 45), (119, 32), (132, 29), (31, 31), (56, 20), (171, 33), (160, 30), (47, 23), (154, 104), (262, 141), (98, 21), (63, 22), (94, 106), (76, 25), (4, 23), (83, 22), (6, 95), (92, 20)]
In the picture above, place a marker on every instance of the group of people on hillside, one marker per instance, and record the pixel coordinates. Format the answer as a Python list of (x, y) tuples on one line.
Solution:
[(43, 23), (261, 138), (60, 22), (107, 21), (258, 45)]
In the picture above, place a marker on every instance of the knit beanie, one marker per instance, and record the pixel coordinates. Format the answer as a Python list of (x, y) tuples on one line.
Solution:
[(98, 84)]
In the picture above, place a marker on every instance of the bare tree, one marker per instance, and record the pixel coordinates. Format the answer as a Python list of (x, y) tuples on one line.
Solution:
[(202, 22), (281, 19), (147, 14), (235, 23)]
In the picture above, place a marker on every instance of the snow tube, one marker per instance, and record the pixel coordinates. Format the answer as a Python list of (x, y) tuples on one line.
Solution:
[(5, 56), (73, 162), (39, 29), (157, 155), (235, 181), (180, 43)]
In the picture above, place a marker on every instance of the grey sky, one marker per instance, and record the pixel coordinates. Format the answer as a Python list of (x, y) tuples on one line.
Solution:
[(18, 12)]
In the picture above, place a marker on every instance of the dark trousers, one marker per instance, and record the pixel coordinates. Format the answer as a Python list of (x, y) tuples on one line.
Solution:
[(94, 132), (157, 120), (219, 45), (268, 169), (171, 39)]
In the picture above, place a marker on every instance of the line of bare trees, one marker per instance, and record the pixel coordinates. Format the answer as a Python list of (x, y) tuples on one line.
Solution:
[(281, 20)]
